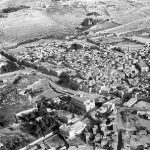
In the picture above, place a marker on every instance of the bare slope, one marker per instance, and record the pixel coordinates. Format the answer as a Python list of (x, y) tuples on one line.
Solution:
[(29, 24), (123, 29)]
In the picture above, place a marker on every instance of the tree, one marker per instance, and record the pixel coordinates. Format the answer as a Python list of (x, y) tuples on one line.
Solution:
[(64, 78), (15, 140), (76, 46), (3, 121), (73, 85)]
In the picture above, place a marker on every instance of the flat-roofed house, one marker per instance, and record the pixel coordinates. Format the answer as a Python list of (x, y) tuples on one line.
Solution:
[(71, 131), (131, 102), (65, 116), (143, 66)]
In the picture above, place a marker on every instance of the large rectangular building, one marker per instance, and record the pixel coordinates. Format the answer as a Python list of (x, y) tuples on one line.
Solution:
[(83, 102)]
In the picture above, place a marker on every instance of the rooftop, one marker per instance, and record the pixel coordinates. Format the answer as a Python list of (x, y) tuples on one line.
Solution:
[(65, 114), (142, 64), (75, 126)]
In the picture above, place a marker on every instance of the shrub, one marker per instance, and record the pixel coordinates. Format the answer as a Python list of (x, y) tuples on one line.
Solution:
[(93, 13), (118, 49), (3, 16), (3, 121)]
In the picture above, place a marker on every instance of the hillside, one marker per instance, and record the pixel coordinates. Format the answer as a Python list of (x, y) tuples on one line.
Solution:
[(40, 20), (126, 28)]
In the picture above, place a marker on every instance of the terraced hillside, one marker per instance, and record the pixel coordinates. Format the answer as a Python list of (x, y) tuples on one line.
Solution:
[(129, 27)]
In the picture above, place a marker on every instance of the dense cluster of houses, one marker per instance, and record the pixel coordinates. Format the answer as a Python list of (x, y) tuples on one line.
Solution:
[(99, 68), (122, 78)]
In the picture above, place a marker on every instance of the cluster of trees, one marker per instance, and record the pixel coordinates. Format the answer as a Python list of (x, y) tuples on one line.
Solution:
[(38, 123), (33, 93), (42, 126), (9, 67), (88, 22), (64, 78), (14, 9), (14, 140), (73, 85), (62, 105), (76, 46)]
